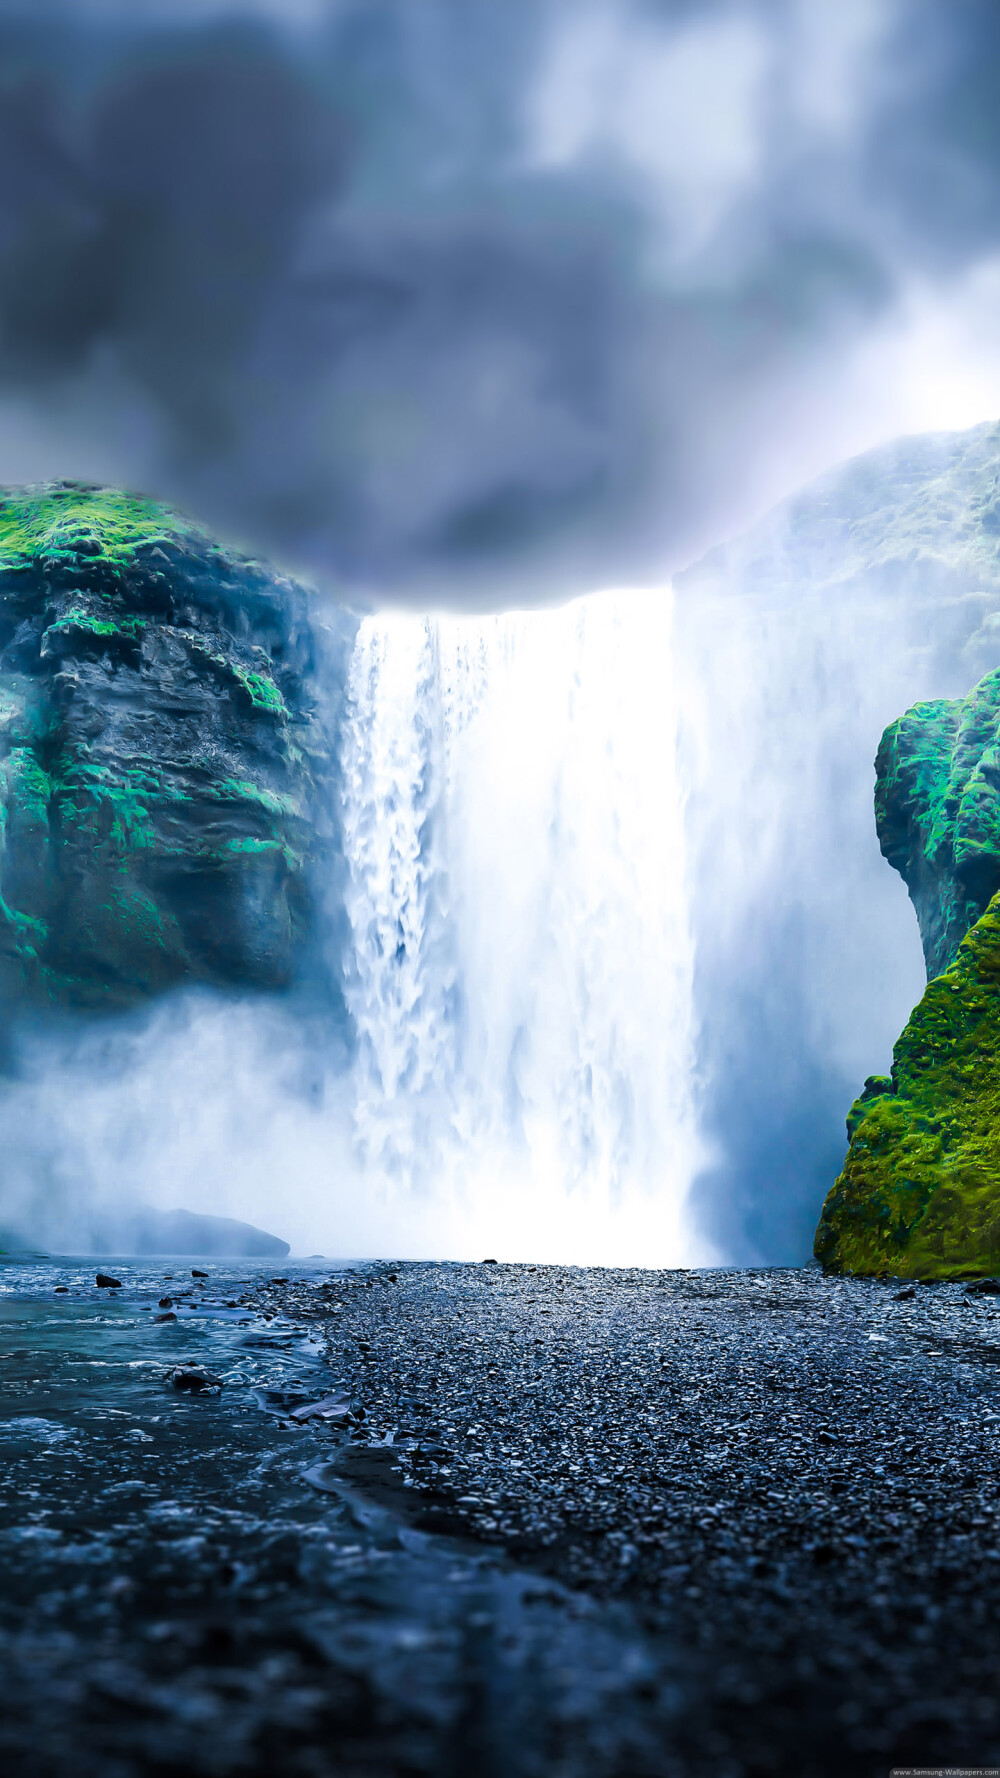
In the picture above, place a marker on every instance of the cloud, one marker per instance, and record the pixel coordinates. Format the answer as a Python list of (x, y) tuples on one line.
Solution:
[(683, 111), (478, 302)]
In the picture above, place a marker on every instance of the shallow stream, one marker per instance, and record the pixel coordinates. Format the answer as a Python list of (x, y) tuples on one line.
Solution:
[(189, 1584)]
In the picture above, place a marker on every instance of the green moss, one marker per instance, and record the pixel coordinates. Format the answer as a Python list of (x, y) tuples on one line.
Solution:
[(128, 862), (72, 519), (919, 1195), (263, 693), (241, 790), (78, 621), (109, 809), (258, 686), (252, 847), (140, 929), (937, 812), (23, 932), (25, 788)]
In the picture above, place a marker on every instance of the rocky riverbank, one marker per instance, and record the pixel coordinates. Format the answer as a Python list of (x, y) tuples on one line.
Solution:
[(534, 1521), (793, 1481)]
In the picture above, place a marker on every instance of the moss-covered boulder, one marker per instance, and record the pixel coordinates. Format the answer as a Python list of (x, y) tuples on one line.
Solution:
[(919, 1195), (920, 1192), (161, 763), (937, 812)]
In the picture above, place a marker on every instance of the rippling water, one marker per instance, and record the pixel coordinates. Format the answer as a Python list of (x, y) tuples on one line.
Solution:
[(178, 1593)]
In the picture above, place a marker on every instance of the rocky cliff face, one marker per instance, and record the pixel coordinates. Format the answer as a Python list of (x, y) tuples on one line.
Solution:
[(162, 761), (920, 1191), (937, 813)]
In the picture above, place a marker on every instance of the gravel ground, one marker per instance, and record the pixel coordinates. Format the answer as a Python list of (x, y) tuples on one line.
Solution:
[(194, 1585), (793, 1479)]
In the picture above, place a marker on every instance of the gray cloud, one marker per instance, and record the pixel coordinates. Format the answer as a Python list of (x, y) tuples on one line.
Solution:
[(480, 297)]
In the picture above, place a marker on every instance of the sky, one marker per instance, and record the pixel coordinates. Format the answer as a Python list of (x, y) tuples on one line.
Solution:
[(482, 302)]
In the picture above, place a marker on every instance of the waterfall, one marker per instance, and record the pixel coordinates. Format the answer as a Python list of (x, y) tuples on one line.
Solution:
[(509, 916), (520, 976)]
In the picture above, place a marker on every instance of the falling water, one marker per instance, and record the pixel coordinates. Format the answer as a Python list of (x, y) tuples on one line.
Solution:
[(521, 974), (510, 916)]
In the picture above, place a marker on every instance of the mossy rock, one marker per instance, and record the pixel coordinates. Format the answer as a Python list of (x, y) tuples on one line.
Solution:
[(937, 812), (919, 1196), (163, 772)]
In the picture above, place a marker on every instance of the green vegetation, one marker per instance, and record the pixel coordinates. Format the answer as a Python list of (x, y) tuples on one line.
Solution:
[(24, 789), (67, 520), (937, 812), (77, 622), (920, 1191), (919, 1196), (258, 686), (241, 790), (252, 848), (152, 831), (263, 693)]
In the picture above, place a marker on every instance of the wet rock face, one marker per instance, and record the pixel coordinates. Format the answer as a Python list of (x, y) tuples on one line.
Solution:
[(919, 1195), (161, 760), (937, 812)]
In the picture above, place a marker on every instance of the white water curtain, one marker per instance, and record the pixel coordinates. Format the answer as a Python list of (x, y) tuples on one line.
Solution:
[(521, 974)]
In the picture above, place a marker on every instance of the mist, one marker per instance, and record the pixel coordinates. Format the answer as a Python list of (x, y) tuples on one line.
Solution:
[(490, 320)]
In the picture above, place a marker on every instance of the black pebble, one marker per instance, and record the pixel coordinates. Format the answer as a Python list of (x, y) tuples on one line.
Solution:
[(194, 1380), (106, 1283)]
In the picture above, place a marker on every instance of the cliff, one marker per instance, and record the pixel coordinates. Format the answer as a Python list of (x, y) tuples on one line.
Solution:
[(937, 813), (162, 764), (919, 1194)]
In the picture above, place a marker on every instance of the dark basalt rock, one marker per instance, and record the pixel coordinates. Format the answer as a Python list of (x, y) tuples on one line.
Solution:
[(193, 1379), (162, 762)]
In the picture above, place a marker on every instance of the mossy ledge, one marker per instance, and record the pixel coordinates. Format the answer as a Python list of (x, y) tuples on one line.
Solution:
[(919, 1196), (163, 767)]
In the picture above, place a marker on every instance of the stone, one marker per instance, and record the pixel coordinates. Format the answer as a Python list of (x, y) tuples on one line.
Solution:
[(162, 762), (331, 1407), (919, 1195), (937, 813), (104, 1282), (193, 1379)]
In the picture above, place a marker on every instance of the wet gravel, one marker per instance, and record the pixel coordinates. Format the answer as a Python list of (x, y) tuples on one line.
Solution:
[(537, 1522), (794, 1480), (219, 1583)]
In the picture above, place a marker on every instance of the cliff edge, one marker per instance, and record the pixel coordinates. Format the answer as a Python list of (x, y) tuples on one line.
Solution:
[(161, 757), (919, 1195)]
